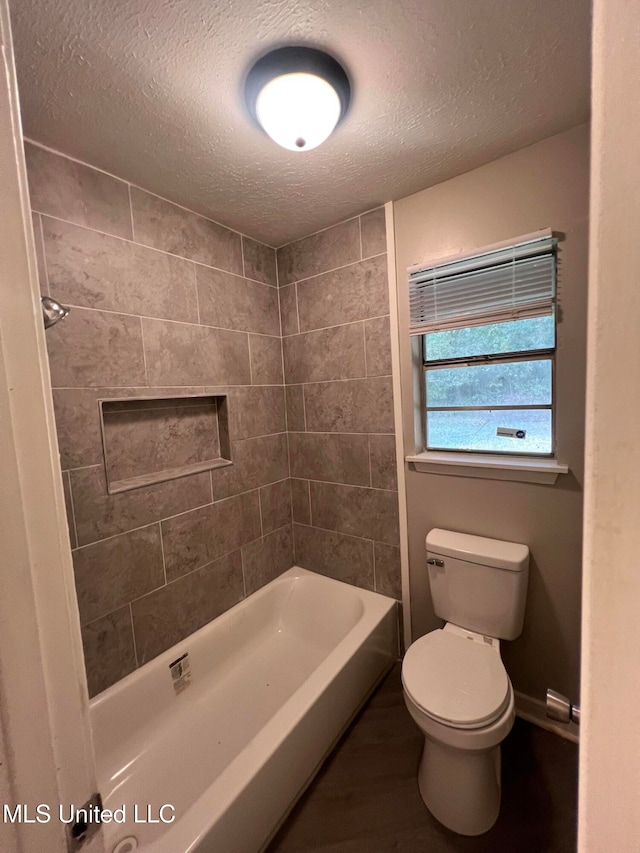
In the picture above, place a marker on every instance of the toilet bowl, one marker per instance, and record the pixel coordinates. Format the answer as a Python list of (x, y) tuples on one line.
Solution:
[(458, 693), (454, 682)]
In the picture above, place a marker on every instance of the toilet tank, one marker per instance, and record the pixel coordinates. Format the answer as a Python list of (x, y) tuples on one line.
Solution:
[(477, 583)]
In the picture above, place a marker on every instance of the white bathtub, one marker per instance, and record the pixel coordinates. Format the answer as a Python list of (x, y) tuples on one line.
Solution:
[(275, 681)]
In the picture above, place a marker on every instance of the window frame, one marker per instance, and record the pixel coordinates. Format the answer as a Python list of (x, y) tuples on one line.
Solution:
[(548, 353)]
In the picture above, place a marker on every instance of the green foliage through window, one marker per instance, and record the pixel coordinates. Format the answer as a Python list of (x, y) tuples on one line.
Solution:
[(482, 378)]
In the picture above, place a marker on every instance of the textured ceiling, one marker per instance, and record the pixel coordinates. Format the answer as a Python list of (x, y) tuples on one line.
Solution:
[(150, 90)]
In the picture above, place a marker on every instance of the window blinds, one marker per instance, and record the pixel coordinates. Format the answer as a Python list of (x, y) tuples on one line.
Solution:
[(495, 286)]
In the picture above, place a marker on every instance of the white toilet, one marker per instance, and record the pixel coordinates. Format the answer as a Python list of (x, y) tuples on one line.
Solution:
[(455, 685)]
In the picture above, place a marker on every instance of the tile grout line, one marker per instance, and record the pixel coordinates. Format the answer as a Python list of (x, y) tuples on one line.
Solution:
[(149, 192), (197, 473), (73, 509), (370, 465), (375, 578), (349, 535), (214, 503), (260, 512), (360, 234), (364, 350), (176, 322), (320, 328), (328, 227), (281, 342), (311, 524), (333, 269), (133, 230), (144, 354), (150, 248), (195, 283), (133, 635), (244, 580), (250, 359), (304, 410), (217, 390), (164, 562), (295, 296), (242, 255)]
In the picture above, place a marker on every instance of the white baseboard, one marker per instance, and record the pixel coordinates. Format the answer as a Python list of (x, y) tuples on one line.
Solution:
[(534, 711)]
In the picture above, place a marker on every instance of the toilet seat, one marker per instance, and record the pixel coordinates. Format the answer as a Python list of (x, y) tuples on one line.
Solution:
[(456, 680)]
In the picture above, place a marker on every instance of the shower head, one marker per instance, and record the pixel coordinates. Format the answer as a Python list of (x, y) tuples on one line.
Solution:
[(52, 311)]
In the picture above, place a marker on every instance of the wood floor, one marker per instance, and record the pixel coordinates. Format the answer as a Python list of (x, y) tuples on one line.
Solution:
[(365, 798)]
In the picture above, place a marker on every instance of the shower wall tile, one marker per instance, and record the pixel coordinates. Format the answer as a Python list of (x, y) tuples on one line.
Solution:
[(93, 270), (266, 559), (78, 419), (256, 462), (100, 515), (300, 501), (68, 190), (259, 261), (361, 405), (231, 302), (369, 513), (378, 347), (387, 569), (183, 354), (114, 571), (275, 506), (256, 410), (295, 408), (289, 310), (176, 305), (340, 416), (334, 458), (335, 353), (355, 292), (109, 651), (170, 614), (373, 232), (325, 250), (193, 539), (266, 360), (384, 472), (173, 229), (96, 348), (335, 555)]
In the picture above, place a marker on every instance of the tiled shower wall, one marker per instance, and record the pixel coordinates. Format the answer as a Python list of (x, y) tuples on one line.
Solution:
[(336, 344), (164, 302)]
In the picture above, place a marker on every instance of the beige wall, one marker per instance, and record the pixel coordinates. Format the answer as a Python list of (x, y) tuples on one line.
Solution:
[(610, 737), (334, 296), (545, 185)]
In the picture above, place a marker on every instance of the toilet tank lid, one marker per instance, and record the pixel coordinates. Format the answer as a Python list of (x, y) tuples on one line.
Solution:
[(477, 549)]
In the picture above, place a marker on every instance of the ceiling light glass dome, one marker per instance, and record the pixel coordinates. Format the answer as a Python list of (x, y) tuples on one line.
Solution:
[(297, 95)]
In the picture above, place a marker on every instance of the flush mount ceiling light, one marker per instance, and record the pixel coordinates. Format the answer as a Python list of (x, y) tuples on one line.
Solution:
[(297, 95)]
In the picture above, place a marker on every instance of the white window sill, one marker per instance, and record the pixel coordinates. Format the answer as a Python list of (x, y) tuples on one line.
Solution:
[(523, 470)]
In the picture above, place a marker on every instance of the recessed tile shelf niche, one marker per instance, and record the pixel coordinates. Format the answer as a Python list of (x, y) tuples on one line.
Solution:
[(152, 439)]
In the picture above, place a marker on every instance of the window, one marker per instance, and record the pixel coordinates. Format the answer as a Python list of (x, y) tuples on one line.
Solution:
[(488, 331)]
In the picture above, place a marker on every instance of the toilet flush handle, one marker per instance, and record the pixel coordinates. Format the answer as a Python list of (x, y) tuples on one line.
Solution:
[(432, 562)]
